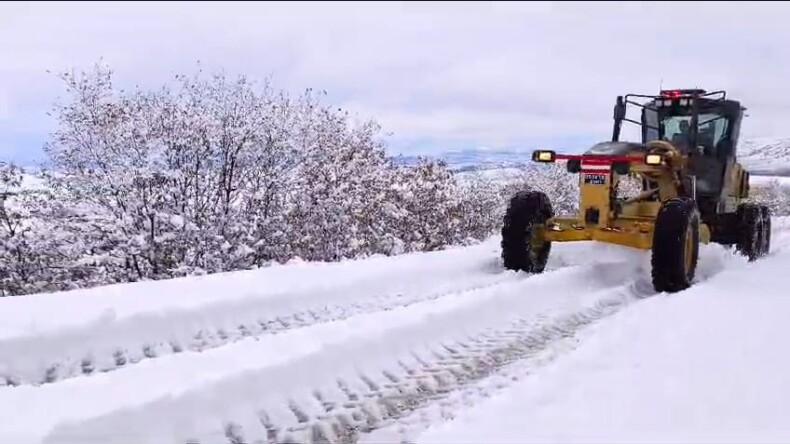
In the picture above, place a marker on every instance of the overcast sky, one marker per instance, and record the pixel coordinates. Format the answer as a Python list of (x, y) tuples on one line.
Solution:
[(436, 75)]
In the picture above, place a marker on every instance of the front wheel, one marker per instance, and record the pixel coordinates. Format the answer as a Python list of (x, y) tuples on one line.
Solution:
[(521, 251), (675, 247)]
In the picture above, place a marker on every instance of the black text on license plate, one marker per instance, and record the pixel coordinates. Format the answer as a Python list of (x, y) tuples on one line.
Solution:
[(595, 179)]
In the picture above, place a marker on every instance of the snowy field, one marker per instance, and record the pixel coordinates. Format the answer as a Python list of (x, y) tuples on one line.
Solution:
[(437, 347)]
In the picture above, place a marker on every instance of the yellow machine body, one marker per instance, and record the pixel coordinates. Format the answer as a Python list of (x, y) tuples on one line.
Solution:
[(632, 223), (693, 191)]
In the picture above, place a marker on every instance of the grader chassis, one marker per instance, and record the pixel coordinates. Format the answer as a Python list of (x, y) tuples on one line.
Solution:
[(693, 191)]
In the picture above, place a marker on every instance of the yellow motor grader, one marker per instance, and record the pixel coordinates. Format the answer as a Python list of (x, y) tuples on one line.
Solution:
[(693, 191)]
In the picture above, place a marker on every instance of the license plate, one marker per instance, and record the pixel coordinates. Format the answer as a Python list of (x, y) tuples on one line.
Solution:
[(595, 179)]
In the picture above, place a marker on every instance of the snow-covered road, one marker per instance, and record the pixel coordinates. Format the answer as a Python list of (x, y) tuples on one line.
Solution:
[(387, 345), (707, 365)]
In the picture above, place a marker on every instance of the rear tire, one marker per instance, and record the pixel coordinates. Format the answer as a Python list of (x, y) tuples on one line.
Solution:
[(675, 249), (751, 229), (526, 210), (766, 216)]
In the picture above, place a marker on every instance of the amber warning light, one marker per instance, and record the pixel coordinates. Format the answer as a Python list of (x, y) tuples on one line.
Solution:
[(543, 156), (654, 159)]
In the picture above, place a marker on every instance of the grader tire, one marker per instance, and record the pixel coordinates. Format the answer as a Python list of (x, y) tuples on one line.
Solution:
[(525, 210), (751, 229), (675, 248), (766, 215)]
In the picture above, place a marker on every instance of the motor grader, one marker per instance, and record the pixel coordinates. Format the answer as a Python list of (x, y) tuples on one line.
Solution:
[(693, 191)]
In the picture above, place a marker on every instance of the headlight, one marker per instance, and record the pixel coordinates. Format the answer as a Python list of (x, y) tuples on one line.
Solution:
[(654, 159), (543, 156)]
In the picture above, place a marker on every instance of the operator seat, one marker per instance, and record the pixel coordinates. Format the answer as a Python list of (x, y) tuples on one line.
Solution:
[(708, 166), (680, 139)]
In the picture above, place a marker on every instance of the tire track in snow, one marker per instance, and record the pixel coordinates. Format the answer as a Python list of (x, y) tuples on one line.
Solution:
[(346, 392), (351, 388), (714, 259), (31, 369), (110, 346), (427, 379)]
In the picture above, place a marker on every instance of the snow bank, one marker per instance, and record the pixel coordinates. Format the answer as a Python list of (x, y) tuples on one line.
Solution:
[(105, 328), (44, 313), (45, 338)]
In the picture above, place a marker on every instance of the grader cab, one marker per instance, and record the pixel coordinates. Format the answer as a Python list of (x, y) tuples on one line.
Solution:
[(693, 191)]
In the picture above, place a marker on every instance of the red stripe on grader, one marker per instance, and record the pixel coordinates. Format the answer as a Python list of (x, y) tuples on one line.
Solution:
[(592, 159)]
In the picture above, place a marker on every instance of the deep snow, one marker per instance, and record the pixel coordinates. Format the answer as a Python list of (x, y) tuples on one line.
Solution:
[(706, 365)]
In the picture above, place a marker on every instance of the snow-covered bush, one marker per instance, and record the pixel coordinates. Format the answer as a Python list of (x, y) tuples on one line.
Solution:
[(28, 260), (561, 187), (215, 174), (161, 184), (482, 205), (430, 208), (13, 250)]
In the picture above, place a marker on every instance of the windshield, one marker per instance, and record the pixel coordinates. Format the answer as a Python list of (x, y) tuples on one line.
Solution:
[(712, 128)]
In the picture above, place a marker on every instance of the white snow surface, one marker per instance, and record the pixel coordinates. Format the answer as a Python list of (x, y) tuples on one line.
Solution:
[(51, 335), (706, 365), (395, 346)]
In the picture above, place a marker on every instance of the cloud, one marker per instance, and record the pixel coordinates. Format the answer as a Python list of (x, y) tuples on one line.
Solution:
[(484, 74), (5, 106)]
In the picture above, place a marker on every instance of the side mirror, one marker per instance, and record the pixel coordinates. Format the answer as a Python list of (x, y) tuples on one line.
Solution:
[(619, 109)]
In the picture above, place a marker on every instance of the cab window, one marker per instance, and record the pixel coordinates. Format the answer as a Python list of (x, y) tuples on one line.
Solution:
[(711, 129)]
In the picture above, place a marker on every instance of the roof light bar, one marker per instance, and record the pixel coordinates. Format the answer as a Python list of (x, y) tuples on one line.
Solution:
[(678, 93)]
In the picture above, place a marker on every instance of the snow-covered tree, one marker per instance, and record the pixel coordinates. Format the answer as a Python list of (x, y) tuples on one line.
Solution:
[(429, 211), (14, 267), (482, 206), (337, 189), (188, 178)]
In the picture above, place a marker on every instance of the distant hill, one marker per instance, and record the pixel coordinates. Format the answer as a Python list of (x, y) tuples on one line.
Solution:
[(478, 159), (763, 157), (766, 157)]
